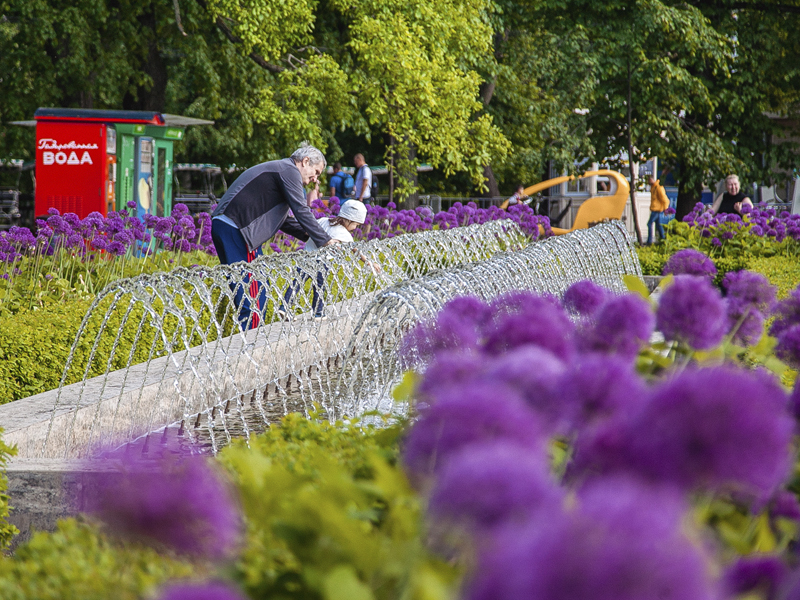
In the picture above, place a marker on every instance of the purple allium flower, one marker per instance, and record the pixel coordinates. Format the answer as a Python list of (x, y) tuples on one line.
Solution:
[(786, 313), (750, 289), (450, 368), (599, 386), (748, 324), (692, 311), (788, 346), (622, 542), (180, 503), (785, 504), (759, 573), (75, 240), (535, 374), (794, 400), (488, 484), (116, 248), (690, 262), (215, 590), (717, 429), (585, 297), (525, 318), (622, 326), (457, 327), (473, 413)]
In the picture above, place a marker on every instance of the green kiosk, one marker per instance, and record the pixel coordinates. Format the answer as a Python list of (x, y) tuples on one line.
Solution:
[(145, 163)]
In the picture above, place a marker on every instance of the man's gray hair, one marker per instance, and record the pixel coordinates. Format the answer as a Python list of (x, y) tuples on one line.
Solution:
[(308, 151)]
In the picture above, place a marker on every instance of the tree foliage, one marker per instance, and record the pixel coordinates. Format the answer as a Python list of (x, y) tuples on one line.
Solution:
[(495, 90)]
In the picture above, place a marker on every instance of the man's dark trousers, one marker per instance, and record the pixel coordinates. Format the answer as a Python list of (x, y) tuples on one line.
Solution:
[(231, 248)]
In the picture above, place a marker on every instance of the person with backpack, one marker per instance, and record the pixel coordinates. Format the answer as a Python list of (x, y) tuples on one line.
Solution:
[(341, 183)]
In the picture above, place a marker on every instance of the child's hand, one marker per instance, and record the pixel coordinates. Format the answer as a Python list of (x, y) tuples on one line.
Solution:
[(376, 267)]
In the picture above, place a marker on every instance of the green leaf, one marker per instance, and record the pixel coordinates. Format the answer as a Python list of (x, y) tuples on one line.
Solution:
[(404, 391), (636, 285)]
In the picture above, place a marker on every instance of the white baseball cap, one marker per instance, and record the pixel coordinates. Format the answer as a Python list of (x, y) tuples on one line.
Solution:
[(354, 211)]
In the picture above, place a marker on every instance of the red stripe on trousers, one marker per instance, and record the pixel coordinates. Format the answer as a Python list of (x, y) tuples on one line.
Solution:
[(251, 255)]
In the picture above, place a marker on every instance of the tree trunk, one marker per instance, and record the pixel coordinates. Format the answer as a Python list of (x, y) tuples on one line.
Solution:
[(486, 92), (491, 182), (391, 168), (150, 97), (687, 198), (634, 210), (409, 173)]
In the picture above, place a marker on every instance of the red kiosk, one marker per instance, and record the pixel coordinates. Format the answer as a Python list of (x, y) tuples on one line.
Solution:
[(76, 157), (79, 153)]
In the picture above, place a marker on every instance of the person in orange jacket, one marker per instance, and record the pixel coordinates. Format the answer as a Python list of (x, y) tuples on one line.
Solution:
[(658, 204)]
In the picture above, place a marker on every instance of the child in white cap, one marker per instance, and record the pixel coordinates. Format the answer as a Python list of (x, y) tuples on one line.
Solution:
[(351, 215)]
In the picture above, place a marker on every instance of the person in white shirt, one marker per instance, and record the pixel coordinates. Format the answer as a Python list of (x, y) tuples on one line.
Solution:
[(351, 215), (363, 179)]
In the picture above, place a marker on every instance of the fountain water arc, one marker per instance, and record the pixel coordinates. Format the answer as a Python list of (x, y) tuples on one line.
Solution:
[(162, 358)]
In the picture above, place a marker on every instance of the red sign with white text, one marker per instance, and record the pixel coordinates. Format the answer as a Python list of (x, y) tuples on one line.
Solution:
[(71, 167)]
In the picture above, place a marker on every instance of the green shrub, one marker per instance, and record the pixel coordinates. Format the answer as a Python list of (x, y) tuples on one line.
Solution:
[(77, 561), (781, 271), (330, 515), (7, 530), (653, 258), (35, 345)]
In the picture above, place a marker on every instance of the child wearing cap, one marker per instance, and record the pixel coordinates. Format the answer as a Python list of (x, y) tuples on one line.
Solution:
[(351, 215)]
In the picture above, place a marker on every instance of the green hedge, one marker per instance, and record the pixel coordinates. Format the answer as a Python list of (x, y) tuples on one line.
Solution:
[(76, 561), (653, 259), (782, 271), (35, 345), (330, 515), (7, 531)]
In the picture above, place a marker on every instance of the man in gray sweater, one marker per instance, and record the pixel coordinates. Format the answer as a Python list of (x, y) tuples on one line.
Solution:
[(255, 207)]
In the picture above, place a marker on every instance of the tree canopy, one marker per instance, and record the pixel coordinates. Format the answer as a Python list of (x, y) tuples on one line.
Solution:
[(495, 91)]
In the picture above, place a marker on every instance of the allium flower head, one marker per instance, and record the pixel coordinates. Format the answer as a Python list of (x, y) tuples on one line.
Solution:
[(489, 484), (757, 573), (622, 326), (690, 262), (718, 429), (621, 543), (749, 289), (535, 374), (748, 324), (179, 503), (473, 413), (457, 327), (692, 311), (788, 346), (215, 590), (786, 313), (450, 368), (525, 318), (585, 297), (597, 387)]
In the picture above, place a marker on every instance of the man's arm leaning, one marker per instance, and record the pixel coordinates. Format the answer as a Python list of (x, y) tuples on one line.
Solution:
[(293, 190)]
